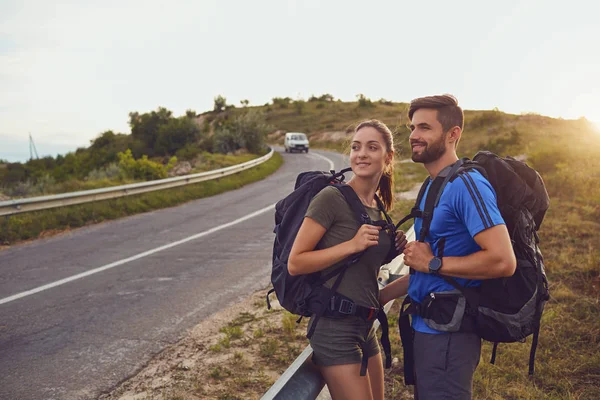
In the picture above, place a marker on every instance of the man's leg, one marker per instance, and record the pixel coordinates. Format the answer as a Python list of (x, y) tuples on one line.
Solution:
[(444, 365)]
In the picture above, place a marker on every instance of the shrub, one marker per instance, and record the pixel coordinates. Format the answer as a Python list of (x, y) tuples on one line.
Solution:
[(111, 171), (188, 152), (325, 97), (364, 101), (247, 130), (143, 168), (220, 103), (281, 102), (299, 106)]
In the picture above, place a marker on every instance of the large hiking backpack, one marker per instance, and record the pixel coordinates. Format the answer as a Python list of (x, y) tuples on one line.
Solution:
[(505, 310), (305, 295)]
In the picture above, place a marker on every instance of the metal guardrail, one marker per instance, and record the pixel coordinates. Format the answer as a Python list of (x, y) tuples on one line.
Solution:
[(15, 206), (302, 380)]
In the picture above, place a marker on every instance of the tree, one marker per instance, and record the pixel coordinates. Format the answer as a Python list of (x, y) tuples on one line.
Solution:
[(220, 103), (244, 103), (364, 101), (247, 130), (145, 128), (176, 134), (190, 113)]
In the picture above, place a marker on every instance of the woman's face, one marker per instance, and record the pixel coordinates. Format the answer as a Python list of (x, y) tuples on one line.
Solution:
[(368, 153)]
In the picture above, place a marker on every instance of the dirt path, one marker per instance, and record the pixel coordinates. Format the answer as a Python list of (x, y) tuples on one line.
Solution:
[(235, 354)]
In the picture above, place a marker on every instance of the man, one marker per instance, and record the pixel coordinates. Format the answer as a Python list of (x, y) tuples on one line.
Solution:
[(467, 240)]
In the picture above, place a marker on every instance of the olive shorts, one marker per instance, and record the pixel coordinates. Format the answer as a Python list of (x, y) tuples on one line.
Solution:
[(337, 341)]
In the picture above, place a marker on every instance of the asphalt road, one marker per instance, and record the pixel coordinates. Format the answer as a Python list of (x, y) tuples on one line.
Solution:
[(165, 271)]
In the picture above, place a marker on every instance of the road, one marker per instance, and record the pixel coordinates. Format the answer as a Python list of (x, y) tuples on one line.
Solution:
[(114, 294)]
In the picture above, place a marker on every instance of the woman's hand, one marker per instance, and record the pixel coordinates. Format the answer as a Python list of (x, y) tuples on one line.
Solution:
[(367, 236), (400, 240)]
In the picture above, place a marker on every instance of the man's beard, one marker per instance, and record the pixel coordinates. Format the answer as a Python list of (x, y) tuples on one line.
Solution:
[(432, 152)]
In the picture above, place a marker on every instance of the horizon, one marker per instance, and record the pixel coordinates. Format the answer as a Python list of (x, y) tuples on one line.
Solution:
[(69, 72)]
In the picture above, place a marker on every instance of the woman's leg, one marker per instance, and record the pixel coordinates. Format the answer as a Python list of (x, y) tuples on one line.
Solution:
[(345, 383), (375, 370)]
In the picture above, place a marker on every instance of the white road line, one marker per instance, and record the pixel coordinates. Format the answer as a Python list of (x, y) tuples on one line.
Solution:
[(133, 258), (331, 164), (146, 253)]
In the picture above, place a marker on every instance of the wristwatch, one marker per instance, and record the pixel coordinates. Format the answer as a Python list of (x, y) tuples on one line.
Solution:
[(434, 265)]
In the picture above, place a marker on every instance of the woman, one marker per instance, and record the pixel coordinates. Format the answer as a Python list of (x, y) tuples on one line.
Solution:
[(329, 235)]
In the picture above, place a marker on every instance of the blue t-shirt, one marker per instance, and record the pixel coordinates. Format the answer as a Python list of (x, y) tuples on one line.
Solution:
[(467, 206)]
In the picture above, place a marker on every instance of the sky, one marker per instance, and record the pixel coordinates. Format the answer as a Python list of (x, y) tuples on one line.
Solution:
[(70, 70)]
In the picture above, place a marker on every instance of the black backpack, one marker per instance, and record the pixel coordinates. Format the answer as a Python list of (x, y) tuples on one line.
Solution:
[(305, 295), (505, 310)]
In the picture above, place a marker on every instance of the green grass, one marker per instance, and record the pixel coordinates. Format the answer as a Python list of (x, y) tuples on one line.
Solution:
[(35, 224)]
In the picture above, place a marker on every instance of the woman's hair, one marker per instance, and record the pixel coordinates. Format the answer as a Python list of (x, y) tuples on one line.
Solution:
[(385, 189)]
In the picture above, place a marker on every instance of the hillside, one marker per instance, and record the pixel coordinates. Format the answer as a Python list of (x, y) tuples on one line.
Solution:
[(329, 123)]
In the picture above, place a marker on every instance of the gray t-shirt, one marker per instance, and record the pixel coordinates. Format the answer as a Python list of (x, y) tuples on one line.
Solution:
[(330, 209)]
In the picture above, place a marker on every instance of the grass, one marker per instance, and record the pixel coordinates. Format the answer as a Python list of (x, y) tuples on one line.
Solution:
[(35, 224)]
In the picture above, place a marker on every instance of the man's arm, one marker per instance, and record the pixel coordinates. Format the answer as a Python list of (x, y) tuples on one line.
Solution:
[(495, 259)]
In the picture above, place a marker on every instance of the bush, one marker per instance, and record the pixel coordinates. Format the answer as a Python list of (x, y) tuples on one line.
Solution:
[(325, 97), (247, 130), (364, 101), (281, 102), (143, 168), (225, 141), (299, 106), (189, 152), (111, 171), (220, 103), (176, 134)]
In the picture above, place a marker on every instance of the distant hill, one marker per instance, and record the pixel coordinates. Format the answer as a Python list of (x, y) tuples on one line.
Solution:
[(330, 123)]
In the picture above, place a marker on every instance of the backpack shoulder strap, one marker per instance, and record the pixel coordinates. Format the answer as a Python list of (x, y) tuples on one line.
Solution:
[(382, 209), (434, 195), (355, 204), (416, 212)]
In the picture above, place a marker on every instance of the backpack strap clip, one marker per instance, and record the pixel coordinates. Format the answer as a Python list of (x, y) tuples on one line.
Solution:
[(346, 307)]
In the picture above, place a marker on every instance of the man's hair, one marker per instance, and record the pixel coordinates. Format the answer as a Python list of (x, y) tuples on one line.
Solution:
[(449, 113)]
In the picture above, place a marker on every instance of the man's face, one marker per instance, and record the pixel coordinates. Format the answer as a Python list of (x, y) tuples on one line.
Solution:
[(427, 138)]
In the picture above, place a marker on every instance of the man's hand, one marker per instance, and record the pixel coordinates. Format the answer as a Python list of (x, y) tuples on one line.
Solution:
[(417, 256), (400, 240)]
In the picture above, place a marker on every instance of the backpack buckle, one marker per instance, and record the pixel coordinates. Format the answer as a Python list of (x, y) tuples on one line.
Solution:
[(346, 307), (365, 218)]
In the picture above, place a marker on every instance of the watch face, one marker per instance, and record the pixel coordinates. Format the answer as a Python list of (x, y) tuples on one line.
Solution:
[(435, 264)]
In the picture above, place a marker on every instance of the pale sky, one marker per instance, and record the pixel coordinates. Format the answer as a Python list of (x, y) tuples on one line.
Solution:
[(70, 70)]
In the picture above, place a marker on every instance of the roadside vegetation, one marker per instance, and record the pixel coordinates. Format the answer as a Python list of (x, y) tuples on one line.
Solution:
[(160, 145), (35, 224)]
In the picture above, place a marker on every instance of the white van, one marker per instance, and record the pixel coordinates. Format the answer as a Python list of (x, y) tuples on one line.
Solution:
[(295, 141)]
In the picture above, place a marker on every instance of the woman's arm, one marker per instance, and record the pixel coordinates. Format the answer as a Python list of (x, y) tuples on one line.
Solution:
[(394, 290), (304, 259)]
